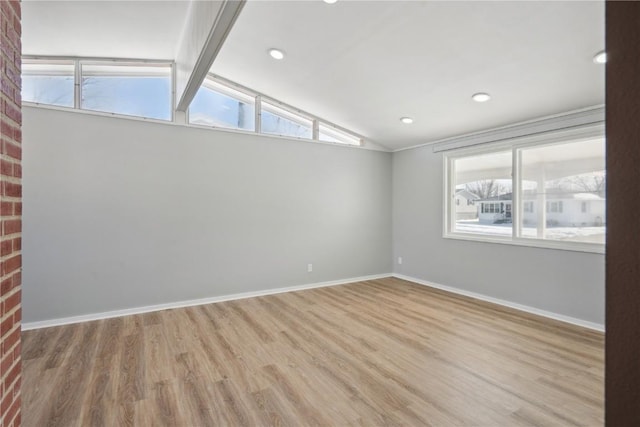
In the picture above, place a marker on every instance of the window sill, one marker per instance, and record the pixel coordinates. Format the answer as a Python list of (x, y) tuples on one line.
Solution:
[(532, 243)]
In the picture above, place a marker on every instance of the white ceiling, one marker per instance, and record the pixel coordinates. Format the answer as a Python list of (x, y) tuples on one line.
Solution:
[(363, 65), (112, 29)]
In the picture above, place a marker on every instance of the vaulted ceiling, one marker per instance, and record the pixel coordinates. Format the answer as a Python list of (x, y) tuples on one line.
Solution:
[(365, 64)]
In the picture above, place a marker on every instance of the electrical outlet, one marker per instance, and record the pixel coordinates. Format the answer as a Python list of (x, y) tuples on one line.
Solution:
[(309, 268), (399, 260)]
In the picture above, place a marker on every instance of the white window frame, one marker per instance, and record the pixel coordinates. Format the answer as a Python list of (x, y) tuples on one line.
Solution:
[(278, 109), (514, 145), (79, 61), (226, 88), (124, 63), (347, 138)]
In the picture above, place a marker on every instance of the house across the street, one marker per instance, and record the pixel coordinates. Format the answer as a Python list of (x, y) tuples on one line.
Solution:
[(561, 209)]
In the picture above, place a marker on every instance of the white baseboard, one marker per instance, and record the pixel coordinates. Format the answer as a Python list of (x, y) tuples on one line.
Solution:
[(567, 319), (189, 303)]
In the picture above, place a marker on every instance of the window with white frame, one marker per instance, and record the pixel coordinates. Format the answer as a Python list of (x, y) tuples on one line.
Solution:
[(279, 121), (145, 89), (48, 82), (330, 133), (142, 90), (487, 177), (219, 105), (547, 191)]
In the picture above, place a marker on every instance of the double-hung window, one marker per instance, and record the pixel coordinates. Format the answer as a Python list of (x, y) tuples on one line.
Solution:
[(537, 191)]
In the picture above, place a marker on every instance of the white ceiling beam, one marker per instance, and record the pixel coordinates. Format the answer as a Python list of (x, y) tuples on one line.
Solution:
[(207, 26)]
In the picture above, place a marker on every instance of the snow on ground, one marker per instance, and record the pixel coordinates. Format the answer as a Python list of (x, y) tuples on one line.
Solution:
[(581, 234)]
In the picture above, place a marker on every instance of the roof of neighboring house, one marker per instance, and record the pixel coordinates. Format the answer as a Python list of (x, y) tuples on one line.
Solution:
[(506, 196), (466, 194), (529, 195), (564, 196)]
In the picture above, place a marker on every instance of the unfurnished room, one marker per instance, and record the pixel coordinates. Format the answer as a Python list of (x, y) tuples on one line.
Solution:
[(320, 212)]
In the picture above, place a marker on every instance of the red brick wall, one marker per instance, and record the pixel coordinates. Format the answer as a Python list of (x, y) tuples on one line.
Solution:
[(10, 213)]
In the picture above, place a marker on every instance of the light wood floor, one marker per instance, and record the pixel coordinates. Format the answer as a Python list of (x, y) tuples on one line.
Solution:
[(382, 352)]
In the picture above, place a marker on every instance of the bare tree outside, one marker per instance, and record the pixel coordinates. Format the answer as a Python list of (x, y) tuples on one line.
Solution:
[(592, 183), (486, 188)]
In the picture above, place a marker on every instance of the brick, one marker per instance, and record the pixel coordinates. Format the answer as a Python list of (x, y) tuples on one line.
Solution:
[(13, 113), (13, 301), (13, 74), (6, 247), (17, 25), (6, 208), (14, 37), (11, 189), (15, 5), (12, 375), (9, 148), (10, 167), (13, 410), (6, 326), (6, 363), (17, 350), (6, 130), (6, 87), (10, 340), (6, 285), (8, 266), (11, 226), (6, 168), (7, 400)]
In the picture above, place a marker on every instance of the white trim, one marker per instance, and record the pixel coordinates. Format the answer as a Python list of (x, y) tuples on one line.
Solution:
[(531, 242), (527, 309), (189, 303), (369, 147), (584, 116), (561, 136)]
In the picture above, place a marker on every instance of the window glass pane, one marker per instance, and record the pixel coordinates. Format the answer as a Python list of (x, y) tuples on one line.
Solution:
[(220, 106), (331, 134), (48, 83), (135, 90), (278, 121), (483, 182), (568, 179)]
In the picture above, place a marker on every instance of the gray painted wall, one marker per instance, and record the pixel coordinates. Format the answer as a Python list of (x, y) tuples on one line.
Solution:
[(122, 213), (563, 282)]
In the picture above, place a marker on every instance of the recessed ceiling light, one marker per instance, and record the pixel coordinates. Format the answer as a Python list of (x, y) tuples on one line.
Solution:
[(276, 53), (406, 120), (330, 1), (600, 57), (481, 97)]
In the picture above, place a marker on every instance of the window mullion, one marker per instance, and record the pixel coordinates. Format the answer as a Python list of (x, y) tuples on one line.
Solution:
[(516, 208), (77, 85)]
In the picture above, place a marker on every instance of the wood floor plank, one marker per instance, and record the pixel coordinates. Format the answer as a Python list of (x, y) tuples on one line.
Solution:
[(380, 352)]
